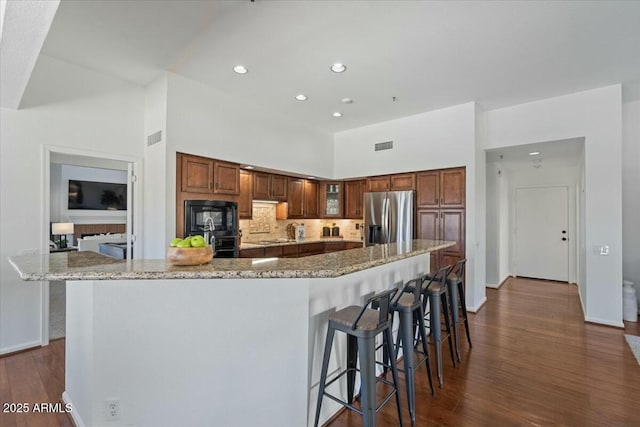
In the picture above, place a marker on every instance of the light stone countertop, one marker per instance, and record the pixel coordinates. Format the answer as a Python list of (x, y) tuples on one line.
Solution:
[(93, 266)]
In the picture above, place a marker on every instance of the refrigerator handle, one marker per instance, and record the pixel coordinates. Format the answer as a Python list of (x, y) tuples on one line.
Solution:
[(385, 219)]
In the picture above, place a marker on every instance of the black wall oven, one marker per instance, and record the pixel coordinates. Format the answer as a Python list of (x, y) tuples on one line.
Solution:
[(198, 214)]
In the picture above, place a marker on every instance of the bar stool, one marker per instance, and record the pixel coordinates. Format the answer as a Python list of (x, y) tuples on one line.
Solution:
[(362, 324), (459, 306), (408, 305), (436, 295)]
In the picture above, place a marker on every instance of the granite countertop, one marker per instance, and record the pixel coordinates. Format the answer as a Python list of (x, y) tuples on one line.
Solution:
[(88, 265), (287, 242)]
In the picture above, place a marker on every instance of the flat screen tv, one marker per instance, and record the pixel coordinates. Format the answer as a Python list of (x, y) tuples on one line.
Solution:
[(105, 196)]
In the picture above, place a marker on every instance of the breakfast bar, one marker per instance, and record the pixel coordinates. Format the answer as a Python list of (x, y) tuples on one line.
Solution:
[(234, 342)]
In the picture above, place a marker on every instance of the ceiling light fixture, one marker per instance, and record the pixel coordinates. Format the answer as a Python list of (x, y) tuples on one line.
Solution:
[(311, 177), (248, 167), (338, 68), (347, 101), (240, 69), (301, 97), (534, 153), (337, 114)]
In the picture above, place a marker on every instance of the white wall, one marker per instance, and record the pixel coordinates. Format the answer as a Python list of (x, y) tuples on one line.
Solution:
[(437, 139), (497, 231), (631, 192), (60, 176), (64, 106), (595, 115)]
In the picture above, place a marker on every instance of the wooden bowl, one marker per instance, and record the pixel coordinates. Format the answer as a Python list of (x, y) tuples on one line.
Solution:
[(189, 256)]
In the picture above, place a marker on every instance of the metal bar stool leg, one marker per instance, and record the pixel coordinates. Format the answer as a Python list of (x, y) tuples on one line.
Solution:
[(394, 370), (447, 324), (323, 375), (368, 375), (406, 334), (352, 360), (425, 348), (463, 303), (436, 334), (455, 317)]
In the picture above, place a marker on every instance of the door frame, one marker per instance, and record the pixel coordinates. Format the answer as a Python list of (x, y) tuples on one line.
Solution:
[(45, 213), (572, 213)]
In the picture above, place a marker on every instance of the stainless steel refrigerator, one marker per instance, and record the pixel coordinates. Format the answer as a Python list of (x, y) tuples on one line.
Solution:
[(388, 217)]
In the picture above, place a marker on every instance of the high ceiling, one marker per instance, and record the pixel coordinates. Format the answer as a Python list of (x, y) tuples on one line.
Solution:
[(428, 55)]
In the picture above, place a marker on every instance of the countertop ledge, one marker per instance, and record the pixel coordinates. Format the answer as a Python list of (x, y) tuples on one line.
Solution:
[(93, 266), (253, 245)]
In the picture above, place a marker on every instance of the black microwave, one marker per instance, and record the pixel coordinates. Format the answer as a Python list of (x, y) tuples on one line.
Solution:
[(223, 215)]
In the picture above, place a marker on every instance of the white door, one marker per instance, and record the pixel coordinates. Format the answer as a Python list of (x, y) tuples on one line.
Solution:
[(542, 238)]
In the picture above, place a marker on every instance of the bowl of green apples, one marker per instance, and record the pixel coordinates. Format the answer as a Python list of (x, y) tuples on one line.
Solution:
[(192, 250)]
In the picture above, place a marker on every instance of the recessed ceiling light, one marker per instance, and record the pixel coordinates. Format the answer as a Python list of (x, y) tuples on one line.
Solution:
[(301, 97), (248, 167), (311, 177), (338, 68), (240, 69), (337, 114), (534, 153), (347, 101)]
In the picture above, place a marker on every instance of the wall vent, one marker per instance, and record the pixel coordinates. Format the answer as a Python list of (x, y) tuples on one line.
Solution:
[(154, 138), (388, 145)]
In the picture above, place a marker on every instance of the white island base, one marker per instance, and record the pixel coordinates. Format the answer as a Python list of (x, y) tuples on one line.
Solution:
[(210, 352)]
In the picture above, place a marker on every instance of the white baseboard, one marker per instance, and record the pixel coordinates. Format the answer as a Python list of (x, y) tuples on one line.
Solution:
[(75, 416), (492, 286), (604, 322), (476, 308), (20, 347)]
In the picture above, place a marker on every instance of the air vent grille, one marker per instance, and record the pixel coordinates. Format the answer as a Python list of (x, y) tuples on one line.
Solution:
[(154, 138), (388, 145)]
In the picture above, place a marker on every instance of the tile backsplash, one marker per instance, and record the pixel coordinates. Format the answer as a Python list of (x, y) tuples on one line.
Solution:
[(265, 226)]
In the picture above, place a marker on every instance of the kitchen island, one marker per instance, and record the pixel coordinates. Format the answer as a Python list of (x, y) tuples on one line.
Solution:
[(188, 346)]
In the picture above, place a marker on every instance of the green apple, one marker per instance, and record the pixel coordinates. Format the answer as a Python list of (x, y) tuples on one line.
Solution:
[(197, 242), (184, 243), (174, 242)]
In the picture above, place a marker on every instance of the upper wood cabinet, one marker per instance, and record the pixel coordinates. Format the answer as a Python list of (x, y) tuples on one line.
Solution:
[(267, 186), (197, 174), (379, 183), (331, 196), (203, 175), (353, 198), (245, 201), (302, 198), (441, 188), (403, 181)]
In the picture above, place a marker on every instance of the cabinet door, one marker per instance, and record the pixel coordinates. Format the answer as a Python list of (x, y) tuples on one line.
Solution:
[(273, 251), (378, 183), (331, 199), (245, 201), (197, 174), (279, 188), (353, 198), (252, 253), (311, 199), (261, 186), (295, 198), (428, 224), (428, 189), (403, 181), (452, 225), (452, 188), (226, 178), (333, 246)]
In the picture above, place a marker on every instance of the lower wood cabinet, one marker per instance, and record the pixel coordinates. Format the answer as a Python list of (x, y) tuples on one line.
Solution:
[(300, 250), (307, 249), (443, 224), (273, 251)]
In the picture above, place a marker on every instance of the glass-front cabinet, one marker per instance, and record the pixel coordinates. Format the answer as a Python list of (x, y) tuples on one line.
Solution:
[(332, 197)]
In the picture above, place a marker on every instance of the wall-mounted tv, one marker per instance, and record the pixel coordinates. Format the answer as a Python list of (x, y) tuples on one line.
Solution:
[(97, 195)]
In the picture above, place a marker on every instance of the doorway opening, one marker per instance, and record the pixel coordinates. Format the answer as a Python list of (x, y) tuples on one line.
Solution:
[(107, 214)]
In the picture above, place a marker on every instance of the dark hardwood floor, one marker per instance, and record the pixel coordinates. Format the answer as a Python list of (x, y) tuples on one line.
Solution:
[(534, 362)]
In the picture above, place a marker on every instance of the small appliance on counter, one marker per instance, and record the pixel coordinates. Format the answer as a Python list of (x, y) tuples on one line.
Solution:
[(300, 232), (335, 231), (326, 231)]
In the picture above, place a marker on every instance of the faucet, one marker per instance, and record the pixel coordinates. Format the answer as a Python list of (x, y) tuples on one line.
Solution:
[(209, 228)]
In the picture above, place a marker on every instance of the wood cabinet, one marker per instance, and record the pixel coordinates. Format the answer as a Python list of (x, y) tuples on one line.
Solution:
[(290, 251), (441, 188), (403, 181), (440, 199), (267, 186), (379, 183), (307, 249), (333, 247), (331, 199), (203, 175), (353, 245), (245, 201), (252, 253), (273, 251), (353, 199), (302, 198)]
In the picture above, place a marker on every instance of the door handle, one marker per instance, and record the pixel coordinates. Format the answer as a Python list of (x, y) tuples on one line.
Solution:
[(564, 231), (564, 239)]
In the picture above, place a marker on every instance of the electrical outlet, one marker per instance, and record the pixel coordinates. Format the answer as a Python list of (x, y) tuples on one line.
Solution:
[(357, 226), (112, 409)]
